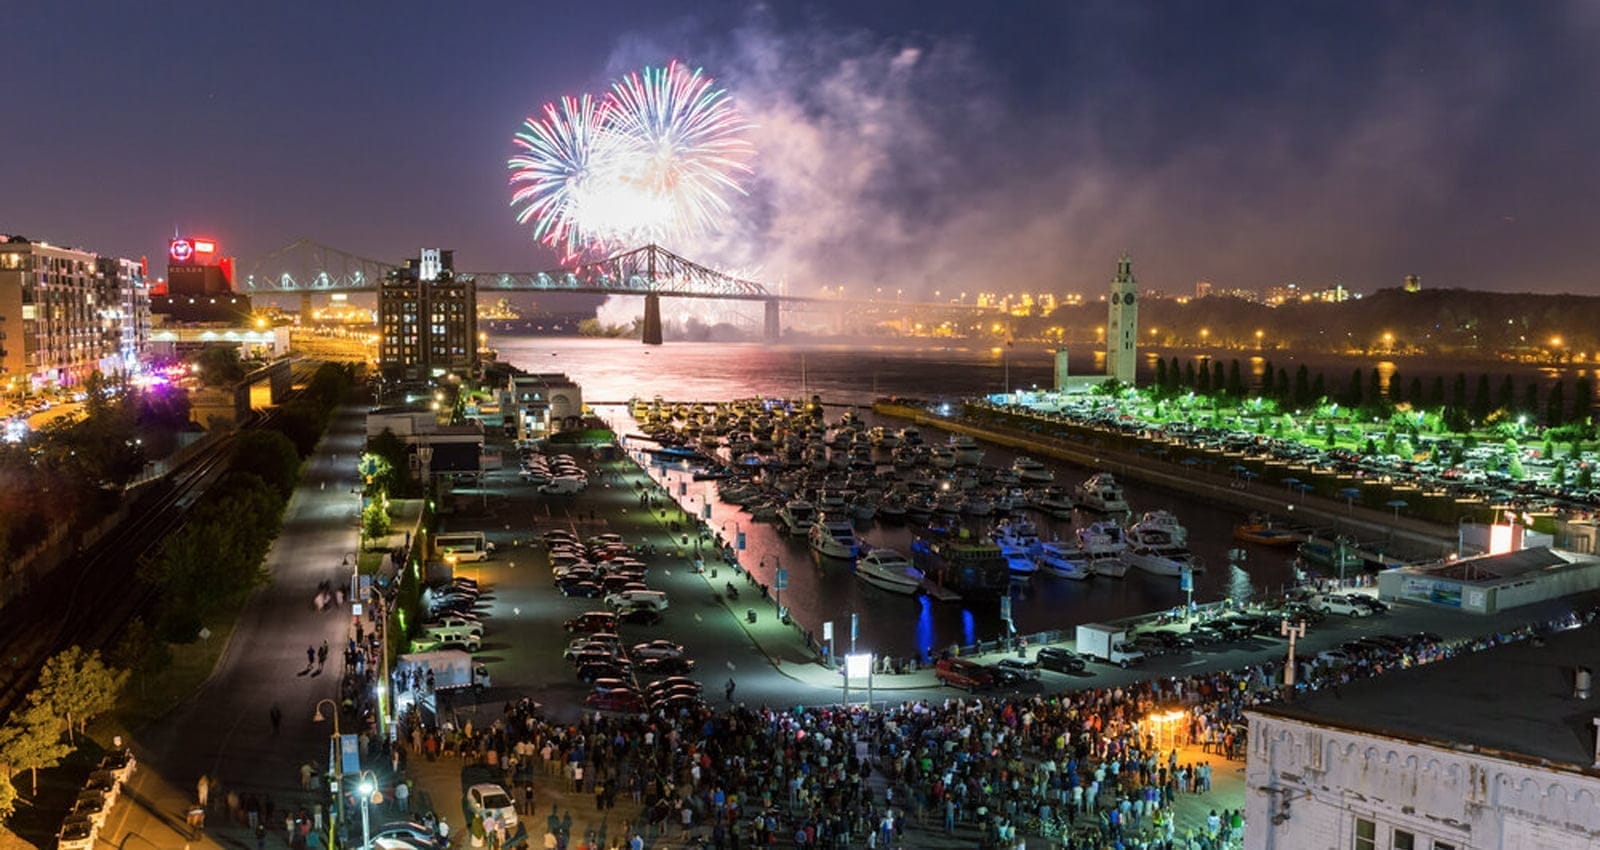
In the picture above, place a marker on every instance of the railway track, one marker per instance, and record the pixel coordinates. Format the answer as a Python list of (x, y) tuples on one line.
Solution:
[(87, 600)]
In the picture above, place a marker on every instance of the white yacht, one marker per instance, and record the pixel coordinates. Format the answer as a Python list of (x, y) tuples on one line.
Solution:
[(889, 570), (1158, 544), (1064, 559), (1021, 565), (966, 449), (1054, 501), (834, 538), (884, 438), (1030, 471), (1017, 535), (797, 515), (1103, 543), (1101, 492)]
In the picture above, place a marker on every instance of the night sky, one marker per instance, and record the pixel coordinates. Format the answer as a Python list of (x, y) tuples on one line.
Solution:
[(923, 145)]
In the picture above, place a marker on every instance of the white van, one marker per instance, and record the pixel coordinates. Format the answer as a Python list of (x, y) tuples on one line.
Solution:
[(653, 599), (455, 633), (564, 485)]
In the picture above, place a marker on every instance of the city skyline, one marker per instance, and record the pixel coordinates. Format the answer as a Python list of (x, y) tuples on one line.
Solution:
[(904, 145)]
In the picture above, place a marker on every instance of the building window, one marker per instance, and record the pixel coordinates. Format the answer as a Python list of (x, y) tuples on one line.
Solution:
[(1366, 834), (1403, 840), (1443, 845)]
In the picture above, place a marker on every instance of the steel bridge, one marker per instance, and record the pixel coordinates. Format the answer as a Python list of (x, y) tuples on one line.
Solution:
[(306, 268)]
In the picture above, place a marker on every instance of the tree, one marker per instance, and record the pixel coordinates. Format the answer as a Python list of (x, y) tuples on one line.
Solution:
[(1458, 393), (1203, 382), (139, 651), (1436, 395), (1235, 379), (394, 475), (1397, 388), (31, 740), (76, 686), (1302, 386), (1219, 379), (1506, 398), (375, 522), (1374, 394), (1556, 409), (1319, 391), (1530, 398), (219, 365), (270, 456), (1281, 393), (1582, 401), (8, 795), (1161, 378), (1586, 476), (1188, 376), (1414, 393), (1481, 403)]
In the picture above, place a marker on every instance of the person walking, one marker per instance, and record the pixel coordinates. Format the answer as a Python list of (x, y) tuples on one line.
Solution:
[(202, 790), (311, 657), (728, 689)]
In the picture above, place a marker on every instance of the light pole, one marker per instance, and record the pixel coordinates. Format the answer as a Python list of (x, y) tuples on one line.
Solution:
[(1293, 633), (368, 788), (338, 765)]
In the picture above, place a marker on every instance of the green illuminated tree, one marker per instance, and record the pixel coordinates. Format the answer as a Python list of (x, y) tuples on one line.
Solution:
[(31, 740), (76, 686)]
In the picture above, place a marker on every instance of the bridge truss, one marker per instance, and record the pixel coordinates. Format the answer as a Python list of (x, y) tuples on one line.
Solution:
[(306, 266)]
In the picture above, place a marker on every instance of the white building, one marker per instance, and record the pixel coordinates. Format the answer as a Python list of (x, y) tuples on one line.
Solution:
[(1488, 751)]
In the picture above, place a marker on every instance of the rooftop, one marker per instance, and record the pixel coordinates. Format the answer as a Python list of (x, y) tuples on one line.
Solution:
[(1513, 702)]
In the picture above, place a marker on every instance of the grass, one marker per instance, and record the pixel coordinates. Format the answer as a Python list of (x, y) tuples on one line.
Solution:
[(150, 696)]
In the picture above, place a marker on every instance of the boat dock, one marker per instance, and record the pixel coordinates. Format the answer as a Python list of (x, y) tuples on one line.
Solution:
[(939, 592)]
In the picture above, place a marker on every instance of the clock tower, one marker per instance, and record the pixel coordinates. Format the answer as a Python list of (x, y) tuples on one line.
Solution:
[(1122, 325)]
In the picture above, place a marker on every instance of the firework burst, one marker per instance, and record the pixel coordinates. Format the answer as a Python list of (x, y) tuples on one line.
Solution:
[(657, 160)]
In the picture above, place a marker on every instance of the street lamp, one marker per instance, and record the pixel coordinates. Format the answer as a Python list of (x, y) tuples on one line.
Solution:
[(338, 766), (368, 788)]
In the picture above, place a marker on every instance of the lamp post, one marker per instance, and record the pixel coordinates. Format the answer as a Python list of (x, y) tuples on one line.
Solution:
[(368, 788), (1293, 633), (338, 767)]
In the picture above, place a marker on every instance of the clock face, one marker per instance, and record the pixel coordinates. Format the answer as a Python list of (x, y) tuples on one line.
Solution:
[(1127, 298)]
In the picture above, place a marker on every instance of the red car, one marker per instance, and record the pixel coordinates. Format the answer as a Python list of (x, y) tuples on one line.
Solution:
[(593, 621), (628, 701)]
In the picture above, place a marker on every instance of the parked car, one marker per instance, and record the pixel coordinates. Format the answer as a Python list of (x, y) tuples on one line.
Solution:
[(629, 701), (77, 833), (1334, 603), (639, 616), (961, 673), (665, 666), (662, 685), (119, 763), (592, 621), (657, 649), (1061, 660)]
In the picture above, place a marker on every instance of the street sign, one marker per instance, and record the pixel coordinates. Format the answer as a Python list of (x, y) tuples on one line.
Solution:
[(349, 754), (1186, 580), (738, 541), (855, 627), (827, 630), (1005, 608), (781, 581)]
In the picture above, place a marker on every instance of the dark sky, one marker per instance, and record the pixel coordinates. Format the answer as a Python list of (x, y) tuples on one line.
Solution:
[(920, 145)]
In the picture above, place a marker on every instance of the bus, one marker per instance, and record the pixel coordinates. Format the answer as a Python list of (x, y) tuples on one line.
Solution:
[(462, 546)]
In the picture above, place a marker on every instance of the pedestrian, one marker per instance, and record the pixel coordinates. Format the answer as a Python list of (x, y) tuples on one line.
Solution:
[(276, 715), (261, 835), (729, 689), (402, 796), (322, 654), (311, 657), (202, 790)]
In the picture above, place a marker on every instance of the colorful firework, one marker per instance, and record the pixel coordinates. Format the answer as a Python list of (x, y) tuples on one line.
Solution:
[(658, 159)]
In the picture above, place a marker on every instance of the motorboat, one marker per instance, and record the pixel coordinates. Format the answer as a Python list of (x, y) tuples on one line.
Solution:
[(1103, 543), (1017, 535), (1158, 544), (911, 436), (966, 450), (1064, 559), (1051, 500), (884, 438), (942, 457), (1261, 533), (834, 538), (889, 570), (1030, 471), (1101, 492), (797, 516), (977, 504), (1021, 565)]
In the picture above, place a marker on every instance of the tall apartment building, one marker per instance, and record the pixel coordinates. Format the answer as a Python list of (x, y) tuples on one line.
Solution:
[(66, 313), (427, 319)]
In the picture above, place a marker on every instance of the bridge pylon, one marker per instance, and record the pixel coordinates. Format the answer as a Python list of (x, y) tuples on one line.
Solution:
[(652, 320), (771, 329), (306, 313)]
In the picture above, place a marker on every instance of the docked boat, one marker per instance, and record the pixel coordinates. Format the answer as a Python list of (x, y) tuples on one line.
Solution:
[(1336, 556), (1021, 566), (966, 564), (942, 457), (1051, 500), (1030, 471), (911, 436), (1017, 535), (797, 515), (1158, 544), (884, 438), (1103, 543), (1064, 559), (834, 538), (1261, 533), (1101, 492), (889, 570), (966, 450)]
